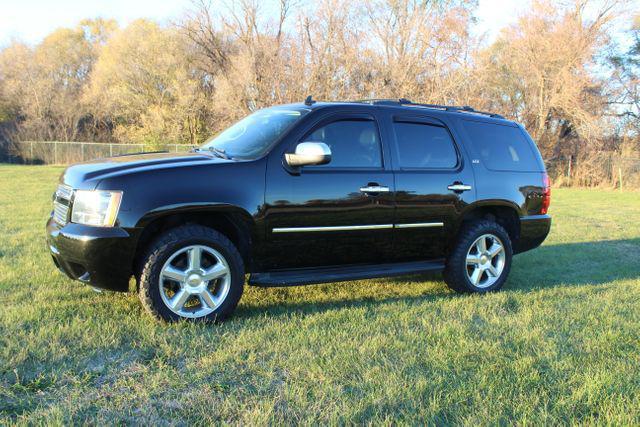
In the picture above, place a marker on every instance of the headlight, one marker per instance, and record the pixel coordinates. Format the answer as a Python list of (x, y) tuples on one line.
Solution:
[(98, 208)]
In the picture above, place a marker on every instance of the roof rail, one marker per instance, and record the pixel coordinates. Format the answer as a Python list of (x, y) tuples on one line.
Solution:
[(404, 101)]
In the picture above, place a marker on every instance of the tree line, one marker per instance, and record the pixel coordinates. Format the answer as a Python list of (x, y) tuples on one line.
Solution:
[(557, 70)]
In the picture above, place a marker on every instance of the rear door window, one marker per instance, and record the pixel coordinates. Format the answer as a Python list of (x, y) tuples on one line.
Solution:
[(500, 147), (424, 146)]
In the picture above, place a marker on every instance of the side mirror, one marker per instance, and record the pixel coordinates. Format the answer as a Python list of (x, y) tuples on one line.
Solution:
[(308, 154)]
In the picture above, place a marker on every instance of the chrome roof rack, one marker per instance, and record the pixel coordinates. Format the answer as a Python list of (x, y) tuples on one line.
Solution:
[(405, 102)]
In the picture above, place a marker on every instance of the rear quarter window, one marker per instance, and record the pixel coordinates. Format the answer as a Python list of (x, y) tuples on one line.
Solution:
[(502, 147)]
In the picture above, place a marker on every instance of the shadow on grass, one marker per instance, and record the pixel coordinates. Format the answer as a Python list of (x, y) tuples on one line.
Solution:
[(576, 264), (558, 265)]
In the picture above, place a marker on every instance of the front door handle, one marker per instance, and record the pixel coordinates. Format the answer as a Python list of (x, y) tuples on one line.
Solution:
[(374, 189), (459, 187)]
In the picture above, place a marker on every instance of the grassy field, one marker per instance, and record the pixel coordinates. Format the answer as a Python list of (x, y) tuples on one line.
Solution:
[(560, 343)]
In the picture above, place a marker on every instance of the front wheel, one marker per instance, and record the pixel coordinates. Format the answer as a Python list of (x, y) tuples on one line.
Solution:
[(481, 260), (192, 272)]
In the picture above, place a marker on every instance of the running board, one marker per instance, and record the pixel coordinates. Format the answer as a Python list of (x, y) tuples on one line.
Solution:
[(309, 276)]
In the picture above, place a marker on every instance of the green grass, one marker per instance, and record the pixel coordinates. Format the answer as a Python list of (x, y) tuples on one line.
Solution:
[(559, 344)]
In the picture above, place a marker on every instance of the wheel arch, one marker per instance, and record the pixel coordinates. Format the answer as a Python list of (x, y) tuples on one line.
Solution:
[(234, 222), (504, 212)]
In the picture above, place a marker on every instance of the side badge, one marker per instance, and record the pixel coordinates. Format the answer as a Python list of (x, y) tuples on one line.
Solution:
[(475, 161)]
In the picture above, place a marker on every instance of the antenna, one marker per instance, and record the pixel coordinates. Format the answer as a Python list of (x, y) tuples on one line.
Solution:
[(309, 100)]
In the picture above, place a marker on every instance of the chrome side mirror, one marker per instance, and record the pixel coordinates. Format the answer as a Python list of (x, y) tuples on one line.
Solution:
[(308, 154)]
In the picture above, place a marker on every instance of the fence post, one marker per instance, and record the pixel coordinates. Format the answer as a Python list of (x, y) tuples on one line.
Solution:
[(82, 150), (31, 151), (612, 169), (55, 152), (620, 176), (110, 149), (569, 168)]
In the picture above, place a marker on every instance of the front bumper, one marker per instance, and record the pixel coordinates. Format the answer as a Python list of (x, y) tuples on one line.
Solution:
[(99, 256), (533, 230)]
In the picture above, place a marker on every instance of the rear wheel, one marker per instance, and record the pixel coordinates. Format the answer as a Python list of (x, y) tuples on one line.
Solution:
[(481, 259), (192, 272)]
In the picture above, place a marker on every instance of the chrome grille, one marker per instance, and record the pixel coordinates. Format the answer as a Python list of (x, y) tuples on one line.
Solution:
[(61, 204)]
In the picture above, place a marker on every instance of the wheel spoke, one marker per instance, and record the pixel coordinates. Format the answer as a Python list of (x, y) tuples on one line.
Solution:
[(173, 273), (215, 272), (179, 299), (473, 260), (495, 249), (195, 258), (206, 298), (492, 271), (477, 274), (481, 245)]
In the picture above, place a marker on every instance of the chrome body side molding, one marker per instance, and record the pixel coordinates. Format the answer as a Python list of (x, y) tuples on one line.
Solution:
[(332, 228), (420, 225), (356, 227)]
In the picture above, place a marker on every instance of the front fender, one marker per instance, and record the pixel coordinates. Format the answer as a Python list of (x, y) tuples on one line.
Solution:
[(236, 223), (151, 193), (195, 207)]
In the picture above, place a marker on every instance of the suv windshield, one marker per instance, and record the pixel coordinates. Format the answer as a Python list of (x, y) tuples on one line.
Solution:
[(253, 136)]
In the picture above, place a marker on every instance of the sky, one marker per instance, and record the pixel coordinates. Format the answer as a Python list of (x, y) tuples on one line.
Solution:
[(31, 20)]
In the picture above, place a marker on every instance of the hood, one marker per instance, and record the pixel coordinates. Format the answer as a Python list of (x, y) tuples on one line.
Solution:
[(86, 175)]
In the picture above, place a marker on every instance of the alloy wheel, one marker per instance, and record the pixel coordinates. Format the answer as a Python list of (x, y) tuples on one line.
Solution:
[(195, 281), (485, 261)]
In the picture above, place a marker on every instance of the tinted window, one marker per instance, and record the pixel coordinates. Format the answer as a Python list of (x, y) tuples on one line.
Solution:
[(501, 148), (424, 146), (353, 143)]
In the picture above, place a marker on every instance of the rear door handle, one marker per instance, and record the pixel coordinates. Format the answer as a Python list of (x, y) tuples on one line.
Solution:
[(374, 189), (459, 187)]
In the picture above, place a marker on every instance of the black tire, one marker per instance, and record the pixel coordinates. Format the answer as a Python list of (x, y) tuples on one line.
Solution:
[(169, 243), (455, 273)]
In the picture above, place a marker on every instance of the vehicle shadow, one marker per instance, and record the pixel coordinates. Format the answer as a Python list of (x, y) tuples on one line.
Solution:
[(556, 265)]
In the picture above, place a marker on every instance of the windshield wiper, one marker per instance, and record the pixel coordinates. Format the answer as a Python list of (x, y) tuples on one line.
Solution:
[(219, 152)]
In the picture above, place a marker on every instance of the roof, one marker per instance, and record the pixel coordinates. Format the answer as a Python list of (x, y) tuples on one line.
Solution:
[(405, 104)]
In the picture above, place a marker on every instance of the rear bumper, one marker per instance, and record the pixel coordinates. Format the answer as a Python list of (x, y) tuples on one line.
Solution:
[(99, 256), (533, 230)]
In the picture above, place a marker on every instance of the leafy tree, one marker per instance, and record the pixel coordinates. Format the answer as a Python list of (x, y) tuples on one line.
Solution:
[(144, 83), (42, 86)]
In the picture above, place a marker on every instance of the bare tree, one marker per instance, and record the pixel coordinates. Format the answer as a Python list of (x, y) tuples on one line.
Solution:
[(539, 72), (626, 95), (182, 82)]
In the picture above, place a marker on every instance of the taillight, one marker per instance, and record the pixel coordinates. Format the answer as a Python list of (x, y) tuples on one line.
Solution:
[(546, 197)]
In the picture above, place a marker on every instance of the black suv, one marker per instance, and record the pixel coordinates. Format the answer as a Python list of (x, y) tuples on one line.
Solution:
[(306, 193)]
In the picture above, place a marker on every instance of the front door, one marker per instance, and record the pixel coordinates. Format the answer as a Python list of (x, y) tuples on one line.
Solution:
[(334, 214)]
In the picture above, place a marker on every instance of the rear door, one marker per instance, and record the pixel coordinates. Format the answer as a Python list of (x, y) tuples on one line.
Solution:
[(434, 182)]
